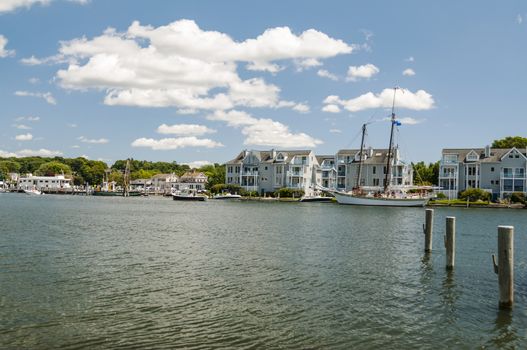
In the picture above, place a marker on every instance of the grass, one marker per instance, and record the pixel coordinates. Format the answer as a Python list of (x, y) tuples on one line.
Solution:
[(458, 202)]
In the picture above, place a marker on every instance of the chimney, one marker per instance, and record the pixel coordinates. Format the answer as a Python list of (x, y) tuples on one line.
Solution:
[(487, 151), (370, 152)]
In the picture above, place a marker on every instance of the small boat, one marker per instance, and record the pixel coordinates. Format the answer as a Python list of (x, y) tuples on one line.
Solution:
[(33, 192), (188, 196), (226, 196), (316, 198)]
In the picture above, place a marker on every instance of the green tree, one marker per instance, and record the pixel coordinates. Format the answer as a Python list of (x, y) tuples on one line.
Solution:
[(510, 141), (426, 175), (116, 176), (53, 168), (215, 174), (475, 194), (8, 166)]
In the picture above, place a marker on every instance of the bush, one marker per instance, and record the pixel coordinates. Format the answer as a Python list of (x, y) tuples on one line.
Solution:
[(475, 194), (289, 192), (249, 193), (440, 195), (518, 197)]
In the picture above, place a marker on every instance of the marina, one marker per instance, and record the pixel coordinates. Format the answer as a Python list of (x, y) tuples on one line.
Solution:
[(115, 272)]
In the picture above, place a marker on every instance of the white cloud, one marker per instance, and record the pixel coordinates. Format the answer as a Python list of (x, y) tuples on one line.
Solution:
[(198, 164), (301, 107), (12, 5), (335, 131), (30, 153), (185, 129), (519, 19), (420, 100), (175, 143), (34, 81), (331, 108), (24, 137), (361, 72), (326, 74), (47, 96), (94, 141), (84, 156), (28, 118), (307, 63), (75, 146), (264, 132), (409, 72), (3, 51), (162, 66), (407, 120), (71, 125), (21, 126), (410, 59)]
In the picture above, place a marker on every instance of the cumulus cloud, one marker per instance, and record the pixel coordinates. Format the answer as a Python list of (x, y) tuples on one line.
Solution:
[(30, 153), (264, 132), (3, 51), (366, 71), (94, 141), (47, 96), (24, 137), (331, 108), (162, 66), (185, 129), (420, 100), (326, 74), (175, 143), (12, 5), (197, 164), (409, 72), (307, 63)]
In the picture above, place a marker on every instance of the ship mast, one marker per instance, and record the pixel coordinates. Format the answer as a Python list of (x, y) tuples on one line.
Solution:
[(387, 178), (360, 155), (126, 179)]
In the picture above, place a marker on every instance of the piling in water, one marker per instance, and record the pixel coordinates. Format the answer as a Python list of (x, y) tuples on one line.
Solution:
[(427, 229), (450, 242), (505, 266)]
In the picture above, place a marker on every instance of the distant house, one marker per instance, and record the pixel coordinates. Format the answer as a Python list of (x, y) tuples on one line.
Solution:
[(192, 180), (164, 182), (43, 182), (499, 171), (140, 184)]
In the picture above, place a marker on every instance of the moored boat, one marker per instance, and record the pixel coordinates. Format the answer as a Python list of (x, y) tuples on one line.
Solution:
[(227, 196), (315, 198), (386, 201), (188, 196), (33, 192)]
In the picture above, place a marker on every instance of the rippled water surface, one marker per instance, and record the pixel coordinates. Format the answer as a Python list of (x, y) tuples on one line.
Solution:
[(88, 272)]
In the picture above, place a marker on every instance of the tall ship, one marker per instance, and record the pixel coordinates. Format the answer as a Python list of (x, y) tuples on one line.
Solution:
[(389, 193)]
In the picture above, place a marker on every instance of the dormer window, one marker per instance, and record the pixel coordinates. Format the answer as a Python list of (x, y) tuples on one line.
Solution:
[(280, 157), (472, 157)]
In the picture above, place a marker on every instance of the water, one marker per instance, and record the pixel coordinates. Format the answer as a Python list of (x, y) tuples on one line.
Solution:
[(121, 273)]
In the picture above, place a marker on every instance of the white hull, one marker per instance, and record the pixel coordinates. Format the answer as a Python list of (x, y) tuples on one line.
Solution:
[(33, 192), (227, 196), (344, 198)]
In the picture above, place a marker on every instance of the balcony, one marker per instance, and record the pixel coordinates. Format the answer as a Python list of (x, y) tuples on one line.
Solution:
[(249, 173), (295, 173)]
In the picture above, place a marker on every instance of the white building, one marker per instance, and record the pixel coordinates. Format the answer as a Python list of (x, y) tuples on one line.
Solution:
[(499, 171), (164, 182), (191, 180), (268, 171), (43, 182)]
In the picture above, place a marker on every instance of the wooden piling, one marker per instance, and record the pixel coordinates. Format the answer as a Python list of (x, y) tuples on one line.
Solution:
[(427, 229), (450, 242), (505, 266)]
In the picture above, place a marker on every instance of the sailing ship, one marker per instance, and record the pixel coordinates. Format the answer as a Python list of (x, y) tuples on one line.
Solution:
[(387, 195)]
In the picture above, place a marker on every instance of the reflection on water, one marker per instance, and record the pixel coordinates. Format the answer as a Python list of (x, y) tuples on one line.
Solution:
[(82, 272)]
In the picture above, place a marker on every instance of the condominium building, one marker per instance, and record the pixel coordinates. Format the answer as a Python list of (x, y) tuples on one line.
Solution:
[(373, 168), (43, 182), (499, 171), (268, 171)]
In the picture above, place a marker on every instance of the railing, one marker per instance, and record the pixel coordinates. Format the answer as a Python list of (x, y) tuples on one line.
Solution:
[(250, 173)]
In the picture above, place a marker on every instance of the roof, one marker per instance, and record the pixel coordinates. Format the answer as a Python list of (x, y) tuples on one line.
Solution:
[(162, 176), (495, 153)]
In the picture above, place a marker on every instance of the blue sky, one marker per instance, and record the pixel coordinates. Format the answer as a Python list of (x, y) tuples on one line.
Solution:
[(201, 80)]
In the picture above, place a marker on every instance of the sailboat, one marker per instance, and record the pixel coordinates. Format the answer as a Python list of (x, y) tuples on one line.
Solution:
[(393, 196)]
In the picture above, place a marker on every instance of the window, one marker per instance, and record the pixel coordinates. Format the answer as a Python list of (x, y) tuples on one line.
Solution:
[(265, 168), (492, 169), (384, 170), (375, 181), (374, 170)]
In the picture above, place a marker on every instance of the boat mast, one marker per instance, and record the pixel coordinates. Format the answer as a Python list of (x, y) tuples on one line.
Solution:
[(126, 180), (388, 178), (360, 155)]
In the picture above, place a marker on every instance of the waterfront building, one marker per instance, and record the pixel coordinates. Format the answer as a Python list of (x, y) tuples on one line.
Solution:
[(499, 171), (164, 182), (268, 171), (191, 180), (327, 171), (372, 169), (43, 182)]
